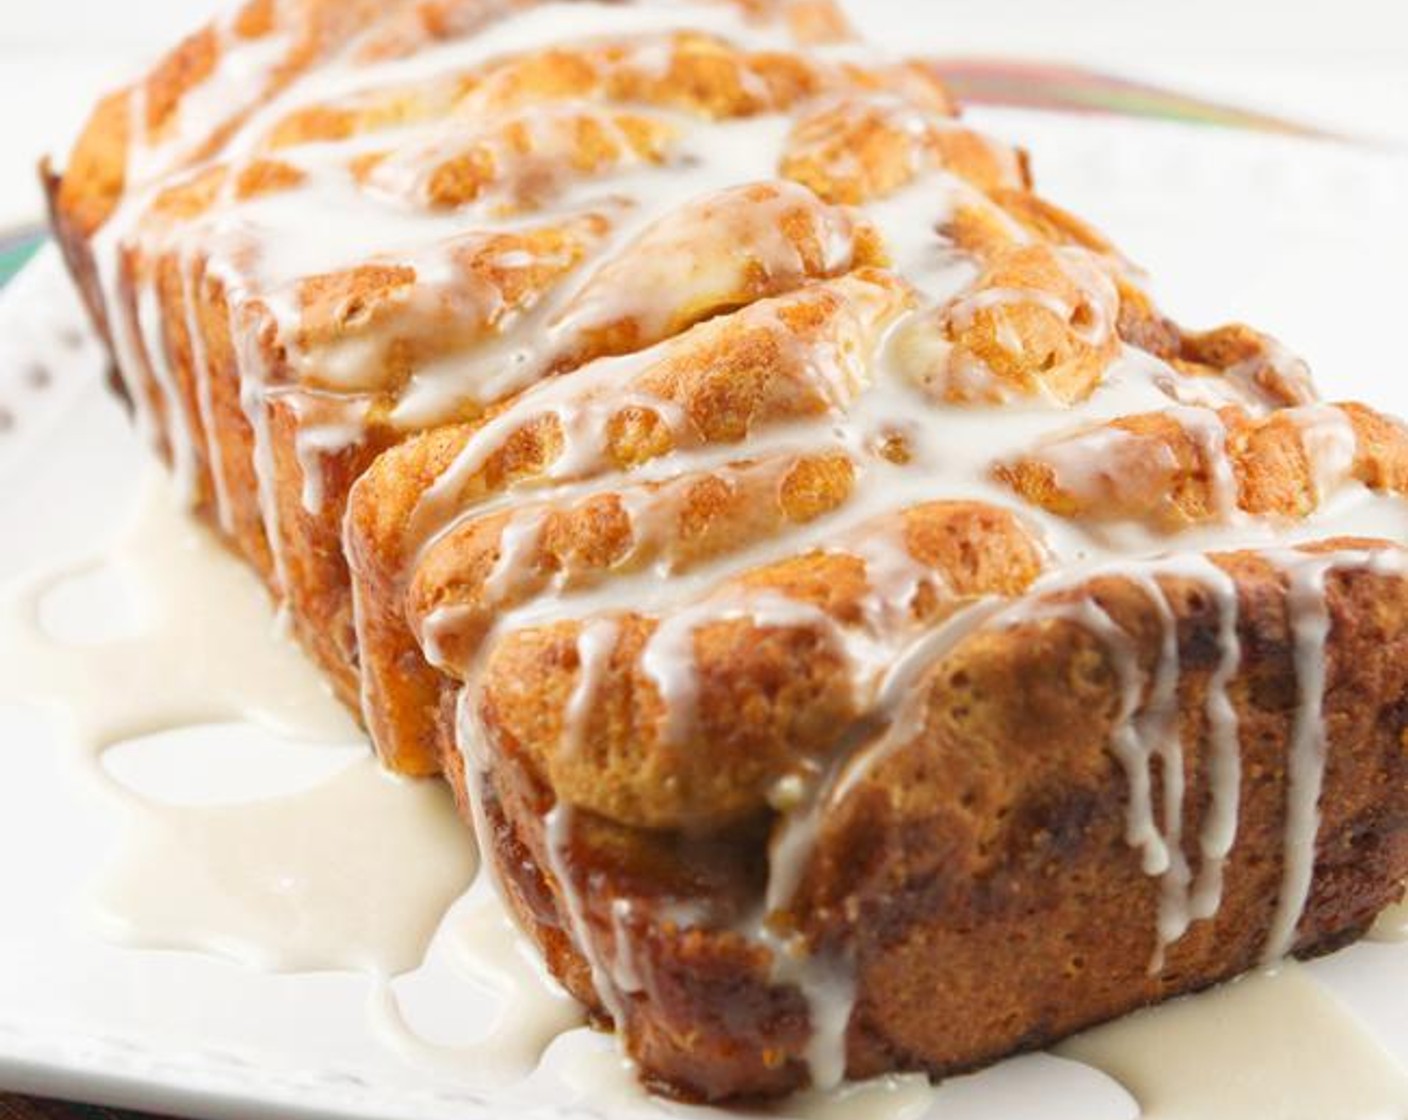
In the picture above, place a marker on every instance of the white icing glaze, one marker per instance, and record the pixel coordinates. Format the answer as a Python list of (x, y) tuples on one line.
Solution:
[(295, 883), (292, 882), (1272, 1045), (1224, 753), (180, 431), (1128, 738), (1145, 729), (669, 659), (667, 224), (259, 246), (1159, 735), (1392, 923), (201, 375), (1310, 630), (1310, 625), (557, 827), (242, 68), (107, 261), (624, 969), (520, 539), (595, 645), (201, 612), (1330, 445), (484, 947), (606, 1084), (257, 403), (962, 311), (1154, 732), (677, 261), (1205, 426), (1289, 371), (830, 990), (316, 440)]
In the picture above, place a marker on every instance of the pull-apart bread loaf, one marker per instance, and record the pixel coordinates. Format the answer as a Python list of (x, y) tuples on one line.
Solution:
[(864, 631)]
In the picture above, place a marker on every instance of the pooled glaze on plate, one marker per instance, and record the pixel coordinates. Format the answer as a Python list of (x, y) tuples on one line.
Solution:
[(300, 881), (351, 873), (1270, 1046)]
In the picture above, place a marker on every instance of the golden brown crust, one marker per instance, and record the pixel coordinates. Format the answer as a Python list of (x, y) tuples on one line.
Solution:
[(95, 177), (500, 562), (979, 873), (1176, 469), (865, 148), (773, 691), (410, 321), (763, 390), (728, 380), (1025, 821), (513, 162), (1039, 322)]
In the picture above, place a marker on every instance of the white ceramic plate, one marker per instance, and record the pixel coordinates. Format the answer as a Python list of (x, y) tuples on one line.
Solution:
[(1302, 239)]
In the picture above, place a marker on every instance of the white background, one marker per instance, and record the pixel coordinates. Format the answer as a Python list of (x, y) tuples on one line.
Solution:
[(1341, 64)]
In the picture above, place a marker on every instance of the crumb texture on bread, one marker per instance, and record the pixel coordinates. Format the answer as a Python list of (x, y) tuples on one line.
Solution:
[(865, 630)]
